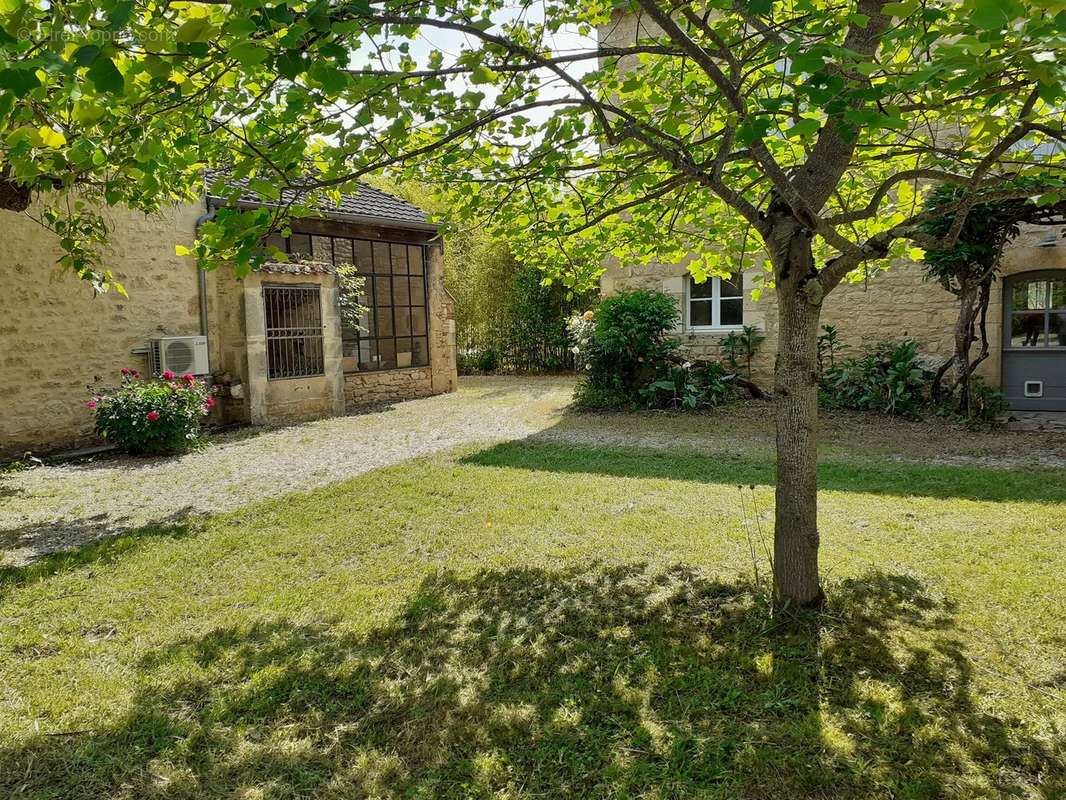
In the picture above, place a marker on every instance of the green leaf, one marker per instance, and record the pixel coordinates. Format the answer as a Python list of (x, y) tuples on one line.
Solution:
[(19, 81), (807, 62), (482, 74), (805, 127), (240, 26), (85, 55), (995, 14), (51, 138), (290, 64), (198, 29), (752, 130), (248, 54), (105, 76), (24, 133), (333, 80), (904, 9)]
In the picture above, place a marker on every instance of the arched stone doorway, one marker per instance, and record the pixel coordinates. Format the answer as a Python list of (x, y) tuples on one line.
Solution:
[(1034, 340)]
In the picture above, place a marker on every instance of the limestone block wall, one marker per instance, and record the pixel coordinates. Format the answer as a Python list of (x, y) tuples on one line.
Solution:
[(366, 388), (57, 339), (896, 303), (227, 340), (442, 354)]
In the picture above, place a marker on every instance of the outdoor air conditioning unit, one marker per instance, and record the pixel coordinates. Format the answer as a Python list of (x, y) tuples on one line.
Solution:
[(179, 354)]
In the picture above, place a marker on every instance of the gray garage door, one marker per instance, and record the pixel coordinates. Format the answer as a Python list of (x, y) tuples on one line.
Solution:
[(1034, 346)]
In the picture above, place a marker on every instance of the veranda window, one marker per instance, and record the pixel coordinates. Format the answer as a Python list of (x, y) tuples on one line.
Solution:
[(394, 333)]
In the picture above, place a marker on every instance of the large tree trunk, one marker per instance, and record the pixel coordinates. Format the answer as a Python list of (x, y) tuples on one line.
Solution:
[(796, 582)]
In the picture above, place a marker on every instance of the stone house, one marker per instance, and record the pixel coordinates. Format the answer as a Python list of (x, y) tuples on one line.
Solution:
[(1026, 320), (275, 342)]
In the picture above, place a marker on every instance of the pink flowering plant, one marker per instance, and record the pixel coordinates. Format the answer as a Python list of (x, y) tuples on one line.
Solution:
[(155, 415)]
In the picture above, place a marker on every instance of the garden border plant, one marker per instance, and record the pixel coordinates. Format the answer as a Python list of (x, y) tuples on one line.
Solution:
[(628, 359), (891, 377), (153, 416)]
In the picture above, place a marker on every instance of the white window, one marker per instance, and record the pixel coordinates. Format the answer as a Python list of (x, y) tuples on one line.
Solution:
[(716, 304)]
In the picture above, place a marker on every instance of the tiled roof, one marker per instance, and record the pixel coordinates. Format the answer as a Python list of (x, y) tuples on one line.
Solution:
[(365, 202), (298, 267)]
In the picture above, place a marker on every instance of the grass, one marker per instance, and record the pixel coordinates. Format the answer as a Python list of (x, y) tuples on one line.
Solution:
[(537, 620)]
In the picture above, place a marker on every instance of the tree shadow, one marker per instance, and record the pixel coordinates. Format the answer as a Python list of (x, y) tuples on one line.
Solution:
[(600, 682), (99, 539), (882, 477)]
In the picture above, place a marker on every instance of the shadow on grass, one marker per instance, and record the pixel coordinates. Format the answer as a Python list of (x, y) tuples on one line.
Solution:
[(905, 479), (106, 540), (604, 682)]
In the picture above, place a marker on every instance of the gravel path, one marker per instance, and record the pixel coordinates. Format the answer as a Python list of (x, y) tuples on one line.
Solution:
[(57, 507), (53, 508)]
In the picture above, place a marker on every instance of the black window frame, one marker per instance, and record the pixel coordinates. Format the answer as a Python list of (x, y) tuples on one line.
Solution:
[(354, 338)]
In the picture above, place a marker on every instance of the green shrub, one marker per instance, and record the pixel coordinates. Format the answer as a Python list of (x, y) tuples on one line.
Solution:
[(600, 398), (829, 348), (740, 347), (688, 386), (488, 360), (628, 346), (629, 360), (888, 378), (153, 416), (986, 405)]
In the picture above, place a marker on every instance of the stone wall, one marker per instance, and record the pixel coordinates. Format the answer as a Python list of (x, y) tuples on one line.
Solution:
[(56, 338), (896, 303), (367, 388), (891, 304), (442, 354)]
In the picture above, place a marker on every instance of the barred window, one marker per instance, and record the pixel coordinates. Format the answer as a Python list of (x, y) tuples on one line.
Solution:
[(394, 332), (293, 331)]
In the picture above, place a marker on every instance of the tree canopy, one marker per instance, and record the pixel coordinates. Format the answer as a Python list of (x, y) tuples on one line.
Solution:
[(672, 142)]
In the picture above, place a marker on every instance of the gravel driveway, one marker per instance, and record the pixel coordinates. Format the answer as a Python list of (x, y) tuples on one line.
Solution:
[(52, 508), (57, 507)]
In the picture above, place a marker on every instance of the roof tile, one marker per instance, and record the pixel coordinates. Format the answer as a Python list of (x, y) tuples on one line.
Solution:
[(365, 202)]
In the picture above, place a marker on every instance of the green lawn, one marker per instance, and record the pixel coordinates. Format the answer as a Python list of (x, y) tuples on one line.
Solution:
[(533, 620)]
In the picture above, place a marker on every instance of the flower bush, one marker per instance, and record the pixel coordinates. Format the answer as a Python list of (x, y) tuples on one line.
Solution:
[(153, 416), (628, 359), (623, 346)]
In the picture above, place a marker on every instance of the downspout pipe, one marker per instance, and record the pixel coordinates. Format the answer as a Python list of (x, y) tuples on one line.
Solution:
[(201, 274)]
